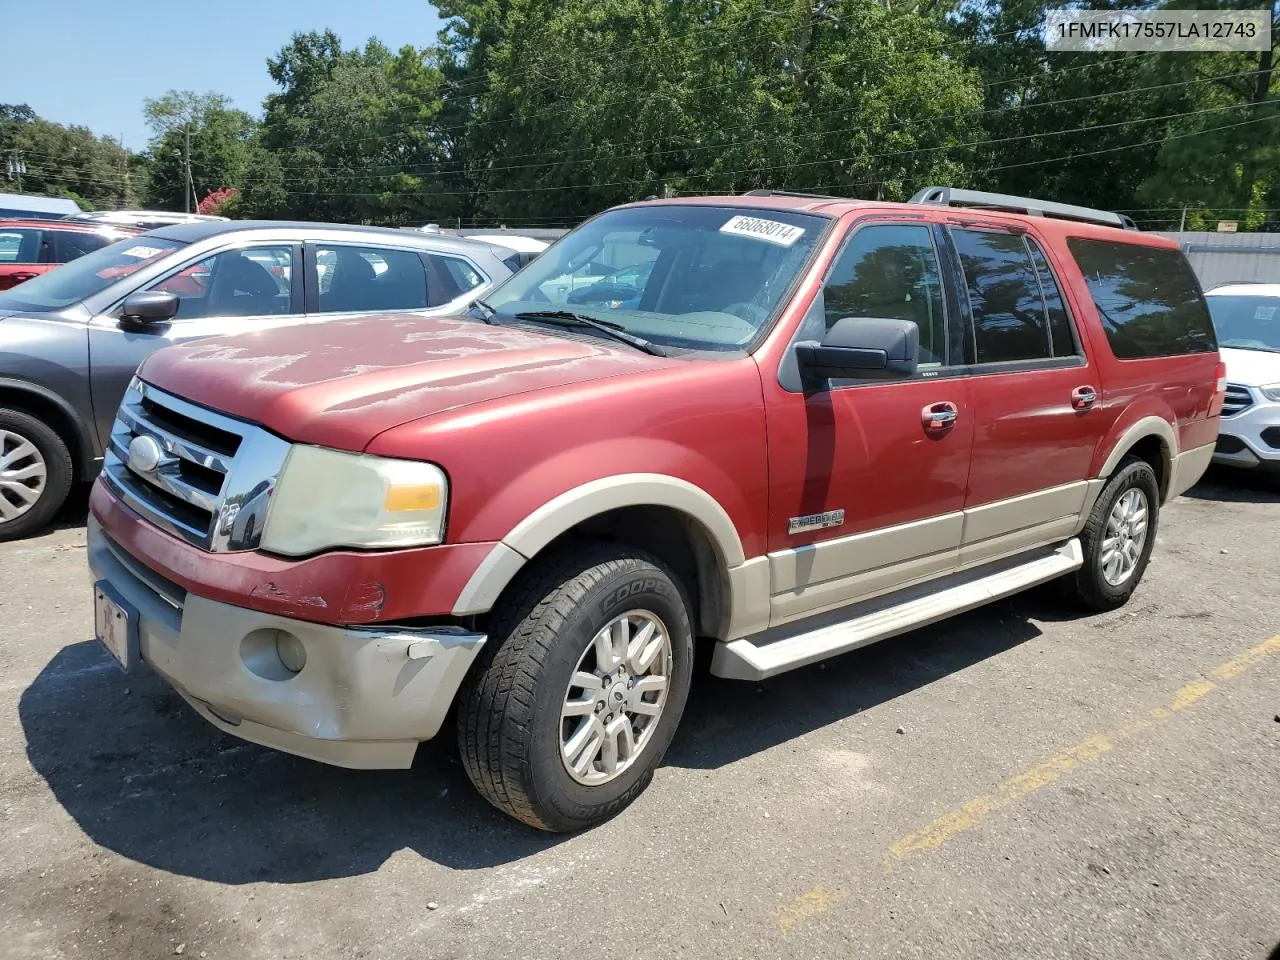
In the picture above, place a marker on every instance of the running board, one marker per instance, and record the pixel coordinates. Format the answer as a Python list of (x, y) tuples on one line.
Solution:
[(756, 660)]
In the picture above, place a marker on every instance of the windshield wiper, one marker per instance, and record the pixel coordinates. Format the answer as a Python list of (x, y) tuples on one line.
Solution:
[(567, 318), (487, 313)]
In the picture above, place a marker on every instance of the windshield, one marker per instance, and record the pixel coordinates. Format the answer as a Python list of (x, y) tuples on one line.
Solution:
[(1246, 322), (83, 277), (698, 277)]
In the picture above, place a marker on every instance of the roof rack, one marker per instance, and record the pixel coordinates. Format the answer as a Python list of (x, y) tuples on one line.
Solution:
[(950, 197), (791, 193)]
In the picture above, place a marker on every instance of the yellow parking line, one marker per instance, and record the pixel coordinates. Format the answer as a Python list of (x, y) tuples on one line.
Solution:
[(970, 814), (818, 900)]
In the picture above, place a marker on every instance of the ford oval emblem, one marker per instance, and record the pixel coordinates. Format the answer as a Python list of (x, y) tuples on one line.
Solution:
[(144, 454)]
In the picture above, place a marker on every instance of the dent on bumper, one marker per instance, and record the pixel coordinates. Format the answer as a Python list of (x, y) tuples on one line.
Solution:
[(364, 698)]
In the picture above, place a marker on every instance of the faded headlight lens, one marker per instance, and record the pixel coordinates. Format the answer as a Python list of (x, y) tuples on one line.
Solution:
[(1272, 392), (330, 498)]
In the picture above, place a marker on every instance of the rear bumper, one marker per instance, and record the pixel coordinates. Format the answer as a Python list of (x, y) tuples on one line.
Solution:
[(364, 698), (1251, 439)]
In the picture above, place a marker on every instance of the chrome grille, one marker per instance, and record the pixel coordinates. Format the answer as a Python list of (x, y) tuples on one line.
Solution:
[(199, 475), (1238, 399)]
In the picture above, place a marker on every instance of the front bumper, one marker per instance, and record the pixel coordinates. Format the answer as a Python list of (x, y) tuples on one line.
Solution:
[(1251, 439), (366, 697)]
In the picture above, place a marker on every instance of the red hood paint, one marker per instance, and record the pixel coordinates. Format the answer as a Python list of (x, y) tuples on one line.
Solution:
[(341, 383)]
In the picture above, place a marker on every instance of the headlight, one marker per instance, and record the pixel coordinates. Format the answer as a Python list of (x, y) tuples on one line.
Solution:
[(1272, 392), (327, 498)]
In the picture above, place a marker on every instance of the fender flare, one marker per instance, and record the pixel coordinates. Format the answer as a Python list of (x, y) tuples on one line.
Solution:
[(532, 534), (82, 445), (1150, 426)]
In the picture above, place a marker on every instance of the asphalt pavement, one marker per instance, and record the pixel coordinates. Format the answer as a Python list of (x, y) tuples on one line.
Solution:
[(1020, 782)]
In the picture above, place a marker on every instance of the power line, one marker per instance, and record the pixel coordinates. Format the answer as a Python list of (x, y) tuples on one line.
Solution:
[(755, 141)]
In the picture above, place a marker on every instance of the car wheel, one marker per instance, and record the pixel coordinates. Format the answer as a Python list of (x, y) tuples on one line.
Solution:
[(35, 474), (579, 689), (1118, 537)]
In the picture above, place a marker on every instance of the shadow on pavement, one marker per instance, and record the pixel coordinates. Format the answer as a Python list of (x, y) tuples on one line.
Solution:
[(75, 512), (144, 776), (1224, 484)]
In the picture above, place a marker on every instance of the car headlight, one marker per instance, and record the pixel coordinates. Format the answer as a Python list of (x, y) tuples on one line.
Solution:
[(1272, 392), (327, 498)]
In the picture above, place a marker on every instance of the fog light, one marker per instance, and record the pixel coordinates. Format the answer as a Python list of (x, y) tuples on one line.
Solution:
[(290, 651)]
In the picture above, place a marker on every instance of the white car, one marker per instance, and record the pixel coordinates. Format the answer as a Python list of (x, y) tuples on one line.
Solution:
[(1247, 319)]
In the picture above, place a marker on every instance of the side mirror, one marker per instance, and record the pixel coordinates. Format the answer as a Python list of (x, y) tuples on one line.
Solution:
[(148, 307), (868, 348)]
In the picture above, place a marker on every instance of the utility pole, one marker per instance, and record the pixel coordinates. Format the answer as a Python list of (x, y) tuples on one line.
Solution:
[(1183, 224), (17, 167), (188, 188)]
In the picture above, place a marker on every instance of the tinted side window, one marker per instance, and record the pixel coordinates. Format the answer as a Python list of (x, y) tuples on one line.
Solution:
[(891, 271), (19, 245), (1009, 318), (235, 283), (449, 278), (1060, 333), (68, 245), (1148, 299), (369, 278)]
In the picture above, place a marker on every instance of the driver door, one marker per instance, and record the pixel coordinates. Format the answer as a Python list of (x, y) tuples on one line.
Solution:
[(243, 289)]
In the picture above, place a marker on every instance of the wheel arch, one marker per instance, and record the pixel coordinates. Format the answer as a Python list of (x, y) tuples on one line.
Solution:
[(1153, 439), (675, 520), (45, 405)]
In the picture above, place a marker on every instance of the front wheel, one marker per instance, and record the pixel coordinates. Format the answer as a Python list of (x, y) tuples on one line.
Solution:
[(35, 474), (580, 688), (1118, 537)]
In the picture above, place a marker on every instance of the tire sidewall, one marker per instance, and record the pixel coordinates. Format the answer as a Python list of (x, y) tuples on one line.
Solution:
[(1136, 475), (643, 587), (58, 477)]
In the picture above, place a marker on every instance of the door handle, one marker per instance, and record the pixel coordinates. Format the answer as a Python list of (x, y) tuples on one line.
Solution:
[(1082, 398), (939, 417)]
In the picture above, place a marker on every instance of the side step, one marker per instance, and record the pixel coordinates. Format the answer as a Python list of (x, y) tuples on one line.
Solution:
[(759, 657)]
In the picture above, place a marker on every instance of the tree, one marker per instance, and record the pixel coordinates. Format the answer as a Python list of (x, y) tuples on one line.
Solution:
[(219, 139), (70, 162), (1223, 162)]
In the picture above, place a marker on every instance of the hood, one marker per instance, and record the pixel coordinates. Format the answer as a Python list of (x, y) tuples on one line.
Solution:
[(1251, 368), (341, 383)]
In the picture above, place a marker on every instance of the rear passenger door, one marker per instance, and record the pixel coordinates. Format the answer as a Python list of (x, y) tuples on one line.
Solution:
[(1034, 392), (359, 279), (19, 255)]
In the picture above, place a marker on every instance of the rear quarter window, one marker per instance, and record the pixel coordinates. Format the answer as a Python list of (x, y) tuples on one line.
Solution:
[(1148, 299)]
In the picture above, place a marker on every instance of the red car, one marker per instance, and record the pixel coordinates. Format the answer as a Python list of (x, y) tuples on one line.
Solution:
[(814, 423), (29, 248)]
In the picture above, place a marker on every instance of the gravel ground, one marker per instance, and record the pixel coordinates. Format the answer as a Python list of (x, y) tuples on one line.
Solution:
[(1018, 782)]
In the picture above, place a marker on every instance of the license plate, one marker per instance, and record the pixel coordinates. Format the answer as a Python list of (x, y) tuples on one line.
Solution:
[(114, 627)]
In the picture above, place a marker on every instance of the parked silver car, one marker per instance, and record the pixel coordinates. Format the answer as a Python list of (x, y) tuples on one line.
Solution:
[(71, 339)]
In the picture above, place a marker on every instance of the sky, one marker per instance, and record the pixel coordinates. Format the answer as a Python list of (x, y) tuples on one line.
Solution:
[(93, 63)]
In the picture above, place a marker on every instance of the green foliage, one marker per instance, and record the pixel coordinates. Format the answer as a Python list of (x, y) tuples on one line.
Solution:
[(65, 161), (546, 111), (220, 140)]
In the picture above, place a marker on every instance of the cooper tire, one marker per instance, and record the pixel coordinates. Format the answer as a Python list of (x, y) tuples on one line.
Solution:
[(1094, 584), (514, 737), (33, 459)]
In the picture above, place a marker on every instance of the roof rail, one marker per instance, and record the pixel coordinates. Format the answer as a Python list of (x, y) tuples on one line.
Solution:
[(950, 197), (791, 193)]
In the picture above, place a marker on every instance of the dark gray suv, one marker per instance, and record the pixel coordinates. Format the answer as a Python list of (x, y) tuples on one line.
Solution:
[(71, 340)]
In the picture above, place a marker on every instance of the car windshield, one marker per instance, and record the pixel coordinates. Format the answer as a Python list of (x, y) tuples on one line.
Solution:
[(83, 277), (1246, 322), (690, 276)]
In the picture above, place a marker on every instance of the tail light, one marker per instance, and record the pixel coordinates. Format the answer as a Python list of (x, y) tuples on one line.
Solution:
[(1219, 390)]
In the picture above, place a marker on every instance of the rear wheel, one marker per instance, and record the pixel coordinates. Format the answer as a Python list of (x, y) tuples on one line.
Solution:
[(579, 690), (1118, 537), (35, 474)]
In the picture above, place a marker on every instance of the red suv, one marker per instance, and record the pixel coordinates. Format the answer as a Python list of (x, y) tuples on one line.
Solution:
[(806, 424), (29, 248)]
